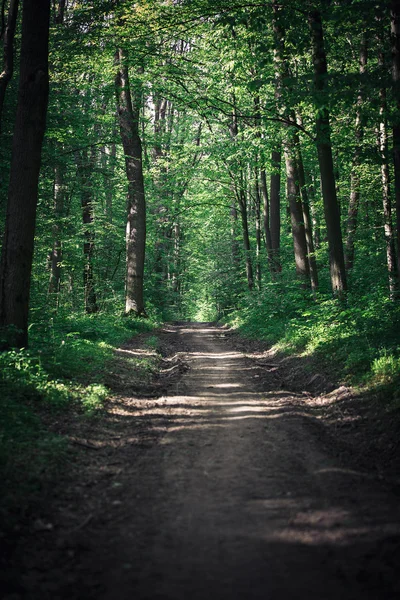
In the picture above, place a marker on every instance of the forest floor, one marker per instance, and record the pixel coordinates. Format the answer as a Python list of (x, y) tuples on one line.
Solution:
[(232, 473)]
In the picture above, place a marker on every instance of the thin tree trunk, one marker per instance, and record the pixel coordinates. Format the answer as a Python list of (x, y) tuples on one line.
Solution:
[(382, 142), (264, 192), (305, 203), (85, 167), (234, 242), (275, 208), (128, 113), (315, 220), (59, 199), (266, 220), (352, 217), (60, 11), (246, 239), (30, 125), (108, 159), (395, 34), (258, 229), (56, 252), (325, 160), (296, 217), (276, 158), (8, 52)]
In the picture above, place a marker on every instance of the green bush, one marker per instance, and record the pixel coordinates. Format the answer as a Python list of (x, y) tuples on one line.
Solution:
[(356, 340)]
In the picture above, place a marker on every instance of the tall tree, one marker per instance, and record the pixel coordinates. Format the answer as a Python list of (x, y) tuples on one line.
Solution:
[(325, 159), (128, 107), (30, 124)]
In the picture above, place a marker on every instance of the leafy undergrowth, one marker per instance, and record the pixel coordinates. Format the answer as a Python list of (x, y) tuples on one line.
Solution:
[(64, 370), (356, 342)]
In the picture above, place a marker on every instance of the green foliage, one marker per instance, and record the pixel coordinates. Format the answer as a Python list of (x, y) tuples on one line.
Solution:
[(63, 370), (358, 342)]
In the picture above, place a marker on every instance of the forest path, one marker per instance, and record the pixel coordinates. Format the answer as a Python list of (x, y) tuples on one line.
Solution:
[(229, 494)]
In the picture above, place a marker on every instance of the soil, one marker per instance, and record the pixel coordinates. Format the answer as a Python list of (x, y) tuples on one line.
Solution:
[(230, 474)]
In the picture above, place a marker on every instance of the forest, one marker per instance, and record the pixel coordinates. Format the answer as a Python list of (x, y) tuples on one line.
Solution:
[(231, 162)]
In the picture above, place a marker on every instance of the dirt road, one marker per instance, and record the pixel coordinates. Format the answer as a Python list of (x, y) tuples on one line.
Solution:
[(228, 493)]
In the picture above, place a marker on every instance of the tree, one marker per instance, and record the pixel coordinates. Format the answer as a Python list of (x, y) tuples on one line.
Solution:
[(30, 124), (325, 159), (128, 107)]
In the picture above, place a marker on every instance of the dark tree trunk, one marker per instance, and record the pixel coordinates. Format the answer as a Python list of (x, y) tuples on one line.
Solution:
[(8, 52), (352, 217), (128, 113), (30, 125), (289, 146), (60, 11), (395, 31), (325, 160)]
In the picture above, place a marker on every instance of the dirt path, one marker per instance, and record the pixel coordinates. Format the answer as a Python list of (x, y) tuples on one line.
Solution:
[(221, 489)]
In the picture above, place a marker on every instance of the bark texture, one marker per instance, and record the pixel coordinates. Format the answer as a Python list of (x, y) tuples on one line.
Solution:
[(128, 107), (325, 159), (30, 124), (305, 205), (296, 218)]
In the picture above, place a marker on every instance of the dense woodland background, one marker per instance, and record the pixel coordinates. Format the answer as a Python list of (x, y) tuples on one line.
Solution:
[(201, 160)]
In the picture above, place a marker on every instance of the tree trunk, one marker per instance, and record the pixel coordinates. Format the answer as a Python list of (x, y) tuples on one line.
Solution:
[(8, 52), (276, 159), (85, 169), (325, 160), (30, 125), (305, 204), (56, 252), (258, 229), (128, 113), (296, 218), (275, 208), (289, 146), (395, 31), (266, 208), (246, 239), (266, 220), (352, 217), (382, 143)]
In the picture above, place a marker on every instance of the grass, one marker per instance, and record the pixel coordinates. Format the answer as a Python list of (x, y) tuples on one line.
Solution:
[(357, 341), (64, 369)]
